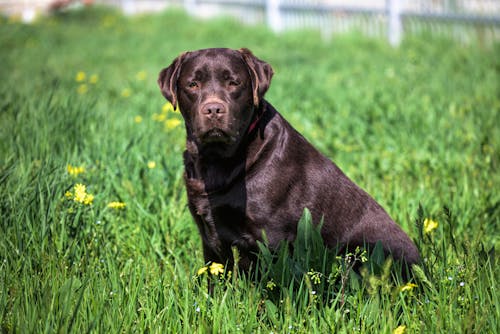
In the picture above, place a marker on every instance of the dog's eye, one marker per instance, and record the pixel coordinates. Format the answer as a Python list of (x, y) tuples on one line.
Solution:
[(193, 84)]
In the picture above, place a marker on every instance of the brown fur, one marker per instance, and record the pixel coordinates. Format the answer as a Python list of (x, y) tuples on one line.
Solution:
[(247, 170)]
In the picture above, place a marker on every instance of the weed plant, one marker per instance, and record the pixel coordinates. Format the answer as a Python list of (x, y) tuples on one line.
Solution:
[(95, 235)]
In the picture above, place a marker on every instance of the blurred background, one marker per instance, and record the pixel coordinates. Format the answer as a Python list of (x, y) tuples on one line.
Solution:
[(464, 20)]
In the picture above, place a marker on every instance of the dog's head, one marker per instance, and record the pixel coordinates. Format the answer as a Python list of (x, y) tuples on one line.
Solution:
[(218, 92)]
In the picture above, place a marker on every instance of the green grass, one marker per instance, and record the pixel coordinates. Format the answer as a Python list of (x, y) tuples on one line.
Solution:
[(417, 127)]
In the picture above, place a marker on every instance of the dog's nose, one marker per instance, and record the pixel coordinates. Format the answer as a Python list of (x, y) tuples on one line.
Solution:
[(213, 108)]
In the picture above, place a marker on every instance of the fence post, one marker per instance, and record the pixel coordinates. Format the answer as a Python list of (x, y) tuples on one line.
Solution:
[(128, 7), (395, 27), (190, 6), (273, 15)]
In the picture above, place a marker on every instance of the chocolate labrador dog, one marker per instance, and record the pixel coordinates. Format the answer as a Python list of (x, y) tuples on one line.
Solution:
[(248, 171)]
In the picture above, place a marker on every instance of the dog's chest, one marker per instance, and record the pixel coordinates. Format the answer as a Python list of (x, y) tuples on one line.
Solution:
[(221, 215), (217, 207)]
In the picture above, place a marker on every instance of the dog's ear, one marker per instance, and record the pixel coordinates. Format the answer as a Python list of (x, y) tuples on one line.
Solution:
[(260, 73), (167, 80)]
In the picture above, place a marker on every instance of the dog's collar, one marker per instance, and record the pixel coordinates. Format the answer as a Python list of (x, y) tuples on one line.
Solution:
[(255, 122)]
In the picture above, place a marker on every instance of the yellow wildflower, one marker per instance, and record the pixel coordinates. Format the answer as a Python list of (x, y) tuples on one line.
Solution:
[(75, 170), (126, 92), (93, 79), (81, 195), (88, 199), (167, 107), (80, 76), (141, 75), (117, 205), (82, 89), (68, 194), (172, 123), (216, 268), (138, 119), (201, 271), (399, 330), (80, 192), (430, 225), (408, 287), (159, 117), (151, 164)]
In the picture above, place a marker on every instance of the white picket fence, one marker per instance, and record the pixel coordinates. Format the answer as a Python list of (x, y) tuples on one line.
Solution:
[(466, 20)]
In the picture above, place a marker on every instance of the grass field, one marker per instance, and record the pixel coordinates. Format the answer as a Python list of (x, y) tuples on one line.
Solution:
[(95, 232)]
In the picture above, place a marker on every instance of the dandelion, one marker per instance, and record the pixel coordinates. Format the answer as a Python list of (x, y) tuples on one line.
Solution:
[(408, 287), (81, 195), (80, 76), (141, 75), (75, 170), (159, 117), (82, 89), (151, 164), (172, 123), (430, 225), (216, 268), (68, 194), (167, 107), (89, 198), (202, 271), (93, 79), (117, 205), (399, 330), (126, 92), (137, 119), (80, 192)]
